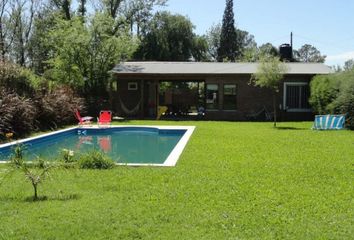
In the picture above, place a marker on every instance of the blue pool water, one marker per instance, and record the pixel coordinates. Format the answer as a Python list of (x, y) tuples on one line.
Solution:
[(135, 145)]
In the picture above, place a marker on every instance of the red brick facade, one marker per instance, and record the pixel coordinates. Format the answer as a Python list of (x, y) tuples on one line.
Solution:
[(250, 99)]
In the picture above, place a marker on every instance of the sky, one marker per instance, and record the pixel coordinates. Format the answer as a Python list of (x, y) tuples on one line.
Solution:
[(326, 24)]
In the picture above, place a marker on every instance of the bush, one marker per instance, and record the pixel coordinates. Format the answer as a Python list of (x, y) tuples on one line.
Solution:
[(345, 102), (56, 107), (324, 90), (17, 114), (334, 94), (16, 78), (95, 160)]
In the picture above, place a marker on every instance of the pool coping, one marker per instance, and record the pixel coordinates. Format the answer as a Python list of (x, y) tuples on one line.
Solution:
[(170, 161)]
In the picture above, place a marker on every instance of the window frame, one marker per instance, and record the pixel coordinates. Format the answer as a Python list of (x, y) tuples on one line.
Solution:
[(132, 86), (217, 97), (285, 96), (223, 102)]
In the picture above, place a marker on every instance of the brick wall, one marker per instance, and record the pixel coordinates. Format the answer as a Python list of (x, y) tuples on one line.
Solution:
[(250, 99)]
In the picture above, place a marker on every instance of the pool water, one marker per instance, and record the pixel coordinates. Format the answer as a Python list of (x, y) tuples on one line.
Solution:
[(131, 145)]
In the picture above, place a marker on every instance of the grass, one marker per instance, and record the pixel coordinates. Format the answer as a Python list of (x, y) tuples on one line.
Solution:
[(233, 181)]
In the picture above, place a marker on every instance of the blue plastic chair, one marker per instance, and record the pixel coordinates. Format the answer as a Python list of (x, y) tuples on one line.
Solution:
[(329, 122)]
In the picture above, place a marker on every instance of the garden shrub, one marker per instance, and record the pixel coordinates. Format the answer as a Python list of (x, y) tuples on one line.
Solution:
[(17, 114), (344, 103), (95, 160), (56, 107), (334, 94), (20, 80), (324, 90)]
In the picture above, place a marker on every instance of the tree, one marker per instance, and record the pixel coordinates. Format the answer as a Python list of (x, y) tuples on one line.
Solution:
[(267, 50), (200, 48), (269, 73), (64, 6), (169, 37), (82, 8), (3, 18), (83, 54), (229, 48), (349, 65), (248, 46), (245, 41), (213, 40), (309, 53), (137, 13)]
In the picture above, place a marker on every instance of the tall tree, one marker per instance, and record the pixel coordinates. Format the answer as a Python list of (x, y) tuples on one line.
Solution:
[(21, 23), (64, 6), (82, 8), (269, 73), (83, 54), (3, 7), (229, 48), (309, 53), (213, 39), (169, 37), (245, 41)]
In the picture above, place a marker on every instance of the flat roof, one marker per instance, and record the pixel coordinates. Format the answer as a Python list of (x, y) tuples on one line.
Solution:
[(210, 68)]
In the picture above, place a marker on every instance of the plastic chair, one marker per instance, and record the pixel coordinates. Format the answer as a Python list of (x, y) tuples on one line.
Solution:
[(83, 120), (105, 118)]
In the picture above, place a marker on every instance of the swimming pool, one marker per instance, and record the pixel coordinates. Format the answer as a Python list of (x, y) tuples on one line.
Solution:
[(128, 145)]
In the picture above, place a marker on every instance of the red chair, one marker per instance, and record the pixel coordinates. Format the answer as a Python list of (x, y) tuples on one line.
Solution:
[(105, 118), (83, 120)]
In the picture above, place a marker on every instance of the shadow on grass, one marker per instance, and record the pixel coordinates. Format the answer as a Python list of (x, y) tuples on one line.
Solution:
[(62, 197), (290, 128)]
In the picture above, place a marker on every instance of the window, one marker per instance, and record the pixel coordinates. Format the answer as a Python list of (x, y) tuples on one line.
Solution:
[(212, 98), (229, 97), (132, 86), (296, 96)]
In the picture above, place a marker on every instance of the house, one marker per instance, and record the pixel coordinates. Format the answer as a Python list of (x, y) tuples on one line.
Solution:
[(216, 91)]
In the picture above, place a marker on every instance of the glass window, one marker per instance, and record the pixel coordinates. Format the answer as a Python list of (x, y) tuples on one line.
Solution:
[(212, 96), (230, 97), (297, 96)]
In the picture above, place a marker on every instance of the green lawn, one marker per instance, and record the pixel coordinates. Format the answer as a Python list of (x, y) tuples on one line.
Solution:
[(233, 181)]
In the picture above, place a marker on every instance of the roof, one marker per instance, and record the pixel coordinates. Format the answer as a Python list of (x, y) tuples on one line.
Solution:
[(206, 68)]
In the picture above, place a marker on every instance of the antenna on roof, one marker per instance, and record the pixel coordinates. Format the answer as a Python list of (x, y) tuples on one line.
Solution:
[(291, 39)]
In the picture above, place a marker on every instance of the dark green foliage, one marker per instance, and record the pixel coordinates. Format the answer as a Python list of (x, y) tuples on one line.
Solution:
[(267, 50), (334, 94), (229, 48), (95, 160), (15, 78), (170, 37), (309, 53), (324, 90)]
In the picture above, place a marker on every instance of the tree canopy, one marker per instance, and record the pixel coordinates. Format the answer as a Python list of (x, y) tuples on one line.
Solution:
[(309, 53), (269, 73), (229, 46), (170, 37)]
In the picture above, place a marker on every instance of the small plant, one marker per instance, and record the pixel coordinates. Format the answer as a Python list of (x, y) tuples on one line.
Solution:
[(68, 156), (95, 160), (35, 172)]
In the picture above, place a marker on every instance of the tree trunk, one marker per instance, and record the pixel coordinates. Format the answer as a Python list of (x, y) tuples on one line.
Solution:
[(35, 197), (275, 109)]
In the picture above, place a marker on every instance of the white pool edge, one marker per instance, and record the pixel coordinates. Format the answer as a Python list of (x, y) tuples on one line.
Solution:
[(170, 161)]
